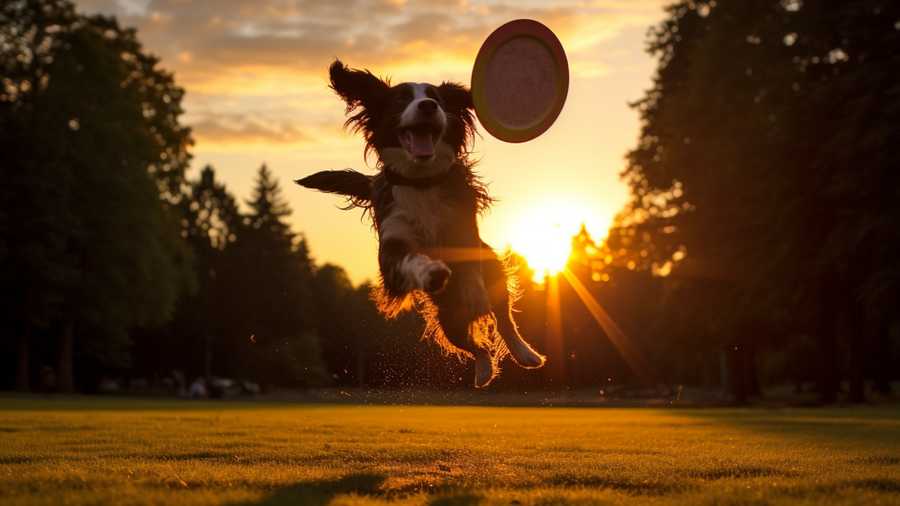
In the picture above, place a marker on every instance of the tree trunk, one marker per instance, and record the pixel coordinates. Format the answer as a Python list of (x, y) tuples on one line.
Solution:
[(207, 357), (881, 366), (65, 378), (750, 373), (858, 344), (829, 321), (23, 373), (723, 369), (361, 366), (750, 334), (737, 373)]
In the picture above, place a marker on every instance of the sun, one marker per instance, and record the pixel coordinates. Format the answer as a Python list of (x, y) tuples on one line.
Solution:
[(543, 235)]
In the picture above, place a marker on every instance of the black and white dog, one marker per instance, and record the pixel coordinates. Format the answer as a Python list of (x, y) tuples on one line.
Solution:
[(425, 201)]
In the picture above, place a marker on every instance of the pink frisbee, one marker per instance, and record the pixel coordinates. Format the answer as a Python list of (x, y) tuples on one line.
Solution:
[(520, 81)]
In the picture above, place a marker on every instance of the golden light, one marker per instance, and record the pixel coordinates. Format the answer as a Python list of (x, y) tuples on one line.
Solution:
[(629, 350), (543, 235)]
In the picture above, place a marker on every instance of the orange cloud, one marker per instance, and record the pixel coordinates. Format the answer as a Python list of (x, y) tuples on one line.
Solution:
[(302, 36), (240, 129), (254, 69)]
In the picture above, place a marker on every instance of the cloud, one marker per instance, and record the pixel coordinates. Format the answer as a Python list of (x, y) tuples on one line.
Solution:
[(302, 36), (241, 129), (277, 51)]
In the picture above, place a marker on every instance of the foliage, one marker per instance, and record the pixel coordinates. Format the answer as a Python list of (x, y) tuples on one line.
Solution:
[(765, 173), (94, 153), (252, 314)]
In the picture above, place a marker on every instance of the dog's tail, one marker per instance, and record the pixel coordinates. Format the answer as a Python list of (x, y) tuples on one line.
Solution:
[(356, 186)]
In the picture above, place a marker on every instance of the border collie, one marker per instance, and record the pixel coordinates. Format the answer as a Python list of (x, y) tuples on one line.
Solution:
[(424, 202)]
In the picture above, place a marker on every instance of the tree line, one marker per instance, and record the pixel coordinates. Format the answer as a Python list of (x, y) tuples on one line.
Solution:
[(759, 247)]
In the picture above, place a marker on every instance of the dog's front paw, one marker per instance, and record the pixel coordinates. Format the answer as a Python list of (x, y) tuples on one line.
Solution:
[(425, 274), (436, 277)]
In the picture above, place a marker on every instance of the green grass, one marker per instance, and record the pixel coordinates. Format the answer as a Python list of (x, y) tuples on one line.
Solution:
[(97, 451)]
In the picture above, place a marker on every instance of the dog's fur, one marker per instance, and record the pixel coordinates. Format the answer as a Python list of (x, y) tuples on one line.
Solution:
[(424, 201)]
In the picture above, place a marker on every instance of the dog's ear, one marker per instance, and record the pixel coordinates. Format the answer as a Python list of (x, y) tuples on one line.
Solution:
[(353, 185), (356, 87), (456, 97), (459, 107)]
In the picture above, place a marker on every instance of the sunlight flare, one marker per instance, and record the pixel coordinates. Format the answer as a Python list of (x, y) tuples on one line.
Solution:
[(555, 345), (630, 352), (543, 235)]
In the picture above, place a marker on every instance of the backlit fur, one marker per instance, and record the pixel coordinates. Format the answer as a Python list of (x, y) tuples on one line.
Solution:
[(424, 202)]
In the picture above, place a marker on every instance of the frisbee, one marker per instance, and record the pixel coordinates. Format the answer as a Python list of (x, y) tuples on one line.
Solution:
[(520, 81)]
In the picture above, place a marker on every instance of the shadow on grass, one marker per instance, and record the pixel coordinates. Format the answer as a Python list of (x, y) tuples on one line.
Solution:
[(21, 460), (880, 485), (631, 487), (320, 493), (877, 460), (867, 425), (738, 472), (462, 499)]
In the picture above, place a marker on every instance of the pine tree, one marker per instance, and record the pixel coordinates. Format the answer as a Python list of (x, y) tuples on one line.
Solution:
[(274, 273), (268, 210)]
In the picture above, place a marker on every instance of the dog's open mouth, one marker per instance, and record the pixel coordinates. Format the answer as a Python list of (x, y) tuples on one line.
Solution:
[(418, 140)]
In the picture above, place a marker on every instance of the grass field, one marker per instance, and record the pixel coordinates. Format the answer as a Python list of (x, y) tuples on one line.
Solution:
[(100, 451)]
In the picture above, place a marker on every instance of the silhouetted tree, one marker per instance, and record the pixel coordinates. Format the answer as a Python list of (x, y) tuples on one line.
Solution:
[(272, 279), (211, 224), (766, 167), (95, 159)]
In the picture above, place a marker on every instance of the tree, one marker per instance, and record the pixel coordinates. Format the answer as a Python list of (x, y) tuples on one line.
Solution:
[(765, 165), (272, 270), (32, 214), (96, 161), (338, 319), (211, 225)]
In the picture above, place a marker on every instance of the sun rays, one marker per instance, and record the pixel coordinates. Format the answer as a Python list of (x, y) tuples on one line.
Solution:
[(543, 236)]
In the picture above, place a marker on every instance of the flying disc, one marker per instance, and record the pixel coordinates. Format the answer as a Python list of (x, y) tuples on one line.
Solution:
[(520, 81)]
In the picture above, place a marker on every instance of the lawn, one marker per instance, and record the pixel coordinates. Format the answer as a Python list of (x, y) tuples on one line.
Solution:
[(101, 451)]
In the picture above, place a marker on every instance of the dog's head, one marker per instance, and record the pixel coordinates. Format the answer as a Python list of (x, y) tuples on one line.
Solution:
[(416, 129)]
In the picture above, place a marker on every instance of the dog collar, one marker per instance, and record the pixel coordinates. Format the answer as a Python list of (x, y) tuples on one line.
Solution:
[(416, 182)]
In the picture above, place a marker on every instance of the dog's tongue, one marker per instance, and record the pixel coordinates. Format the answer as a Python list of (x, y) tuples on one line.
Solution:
[(419, 144)]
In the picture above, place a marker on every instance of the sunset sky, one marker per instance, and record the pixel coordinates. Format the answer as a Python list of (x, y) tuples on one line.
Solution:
[(255, 72)]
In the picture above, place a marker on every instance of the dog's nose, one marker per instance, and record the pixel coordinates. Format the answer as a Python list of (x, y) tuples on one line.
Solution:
[(427, 107)]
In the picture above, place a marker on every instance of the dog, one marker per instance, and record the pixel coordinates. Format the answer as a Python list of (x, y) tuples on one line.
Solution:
[(424, 202)]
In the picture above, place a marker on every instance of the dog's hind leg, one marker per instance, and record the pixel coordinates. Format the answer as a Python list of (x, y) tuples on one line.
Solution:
[(495, 278), (460, 310), (485, 371), (456, 330)]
